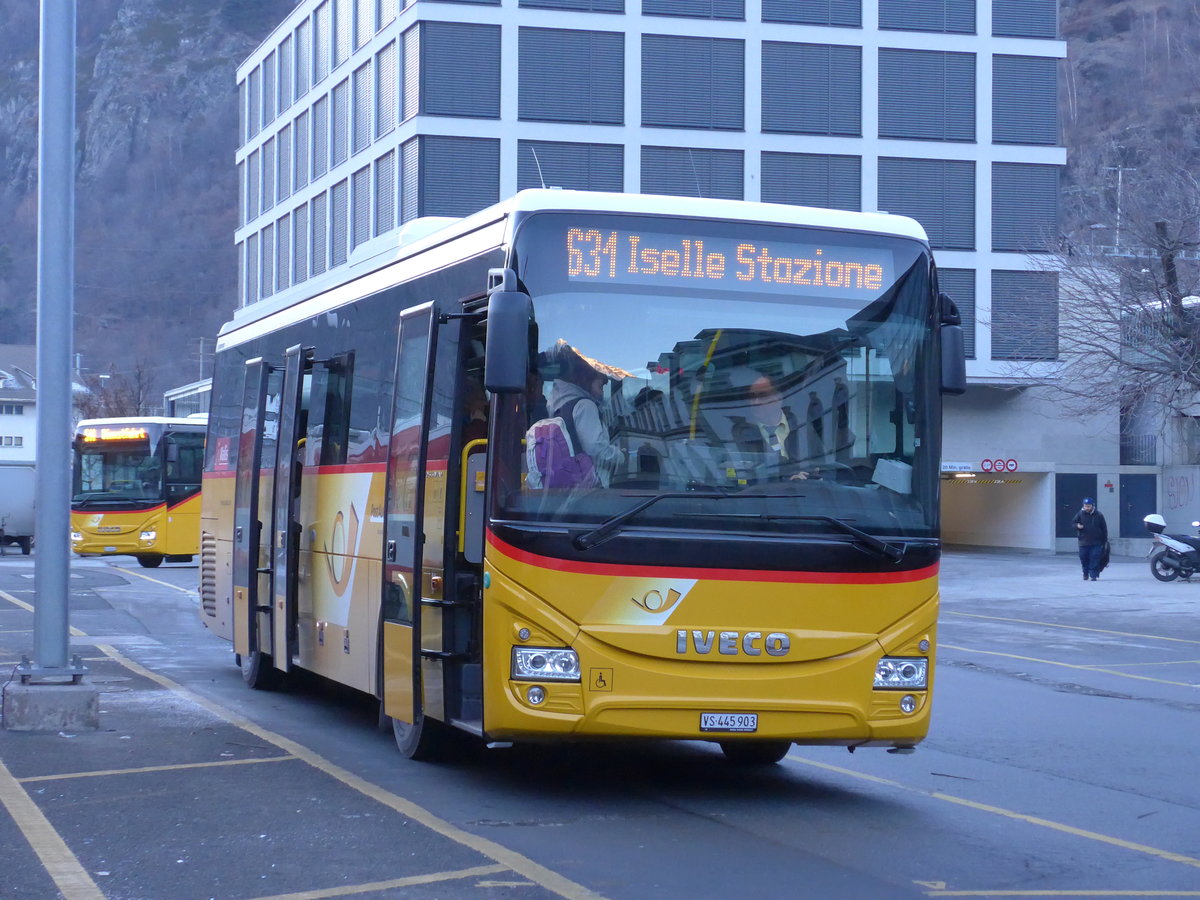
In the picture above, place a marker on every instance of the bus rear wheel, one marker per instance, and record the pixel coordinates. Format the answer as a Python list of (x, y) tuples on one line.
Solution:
[(150, 560), (26, 545), (755, 753), (258, 671), (424, 740)]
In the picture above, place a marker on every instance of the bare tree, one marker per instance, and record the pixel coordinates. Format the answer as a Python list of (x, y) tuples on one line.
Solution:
[(118, 394), (1129, 285)]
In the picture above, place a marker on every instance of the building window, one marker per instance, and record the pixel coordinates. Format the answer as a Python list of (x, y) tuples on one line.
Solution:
[(960, 285), (268, 90), (287, 69), (1025, 18), (283, 255), (696, 9), (584, 167), (252, 286), (1024, 315), (946, 16), (386, 86), (320, 137), (455, 67), (268, 174), (363, 108), (1024, 100), (846, 13), (253, 102), (322, 41), (268, 261), (343, 30), (339, 211), (302, 150), (319, 251), (283, 149), (448, 176), (12, 409), (812, 179), (812, 89), (602, 6), (360, 211), (300, 244), (339, 147), (253, 186), (938, 193), (303, 58), (1024, 207), (571, 76), (692, 172), (926, 95), (385, 193), (693, 82)]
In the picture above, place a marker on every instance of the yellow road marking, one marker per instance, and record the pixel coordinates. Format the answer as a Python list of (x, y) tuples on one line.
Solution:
[(75, 632), (1152, 637), (509, 859), (1083, 668), (63, 867), (174, 587), (1008, 814), (143, 769), (348, 890)]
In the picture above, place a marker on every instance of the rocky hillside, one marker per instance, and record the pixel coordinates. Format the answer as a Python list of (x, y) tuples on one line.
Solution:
[(157, 118)]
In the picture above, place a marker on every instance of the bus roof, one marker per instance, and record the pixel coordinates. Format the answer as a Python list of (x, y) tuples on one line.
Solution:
[(492, 227), (165, 421)]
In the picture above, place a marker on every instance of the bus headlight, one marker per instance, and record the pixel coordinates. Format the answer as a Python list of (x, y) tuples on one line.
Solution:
[(901, 673), (149, 536), (76, 537), (545, 664)]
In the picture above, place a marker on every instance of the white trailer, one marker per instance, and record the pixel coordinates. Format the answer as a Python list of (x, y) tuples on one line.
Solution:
[(16, 506)]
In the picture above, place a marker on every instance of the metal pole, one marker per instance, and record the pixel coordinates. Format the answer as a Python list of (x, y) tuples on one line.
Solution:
[(55, 318)]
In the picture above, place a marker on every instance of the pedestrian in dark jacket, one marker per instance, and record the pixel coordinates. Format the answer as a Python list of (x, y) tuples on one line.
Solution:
[(1092, 531)]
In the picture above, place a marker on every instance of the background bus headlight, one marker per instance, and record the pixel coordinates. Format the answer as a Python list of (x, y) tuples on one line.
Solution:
[(76, 537), (902, 673), (544, 664), (149, 536)]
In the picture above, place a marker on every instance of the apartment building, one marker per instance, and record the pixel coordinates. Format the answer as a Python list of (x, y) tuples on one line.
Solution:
[(360, 116)]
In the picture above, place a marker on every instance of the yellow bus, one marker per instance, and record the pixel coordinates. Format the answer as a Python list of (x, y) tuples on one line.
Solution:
[(136, 488), (388, 504)]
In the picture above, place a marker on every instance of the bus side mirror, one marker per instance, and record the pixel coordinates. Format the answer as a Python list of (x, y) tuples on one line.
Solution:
[(954, 355), (506, 353), (172, 452)]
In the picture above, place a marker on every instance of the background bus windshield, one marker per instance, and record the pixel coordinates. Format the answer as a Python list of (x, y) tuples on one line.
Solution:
[(759, 363)]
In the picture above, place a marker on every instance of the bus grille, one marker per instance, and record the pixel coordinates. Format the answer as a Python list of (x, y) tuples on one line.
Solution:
[(208, 573)]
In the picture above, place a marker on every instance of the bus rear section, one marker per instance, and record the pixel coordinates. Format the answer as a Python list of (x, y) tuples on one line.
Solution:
[(136, 488)]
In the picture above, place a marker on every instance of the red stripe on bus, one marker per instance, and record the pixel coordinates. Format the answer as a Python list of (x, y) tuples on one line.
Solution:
[(110, 510), (759, 575)]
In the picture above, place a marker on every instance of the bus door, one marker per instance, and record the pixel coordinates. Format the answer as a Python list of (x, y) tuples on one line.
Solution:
[(249, 614), (285, 521), (403, 541)]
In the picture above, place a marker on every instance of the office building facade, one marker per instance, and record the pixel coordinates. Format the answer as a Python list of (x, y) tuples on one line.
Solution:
[(360, 116)]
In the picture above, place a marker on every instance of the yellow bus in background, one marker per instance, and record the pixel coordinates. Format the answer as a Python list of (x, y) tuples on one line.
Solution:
[(136, 488), (368, 517)]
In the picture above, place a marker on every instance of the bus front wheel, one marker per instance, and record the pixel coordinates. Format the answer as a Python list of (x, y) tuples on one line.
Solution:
[(150, 560), (755, 753), (423, 740)]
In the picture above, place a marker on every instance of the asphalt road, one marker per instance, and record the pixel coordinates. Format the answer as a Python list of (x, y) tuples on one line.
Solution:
[(1062, 762)]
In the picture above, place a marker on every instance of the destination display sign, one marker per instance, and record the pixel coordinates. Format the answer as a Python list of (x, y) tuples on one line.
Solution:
[(755, 263), (109, 433)]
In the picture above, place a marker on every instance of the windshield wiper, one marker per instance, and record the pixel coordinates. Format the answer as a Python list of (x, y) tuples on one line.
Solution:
[(611, 526), (884, 549)]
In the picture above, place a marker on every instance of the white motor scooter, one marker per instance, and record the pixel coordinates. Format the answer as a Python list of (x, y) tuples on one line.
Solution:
[(1172, 555)]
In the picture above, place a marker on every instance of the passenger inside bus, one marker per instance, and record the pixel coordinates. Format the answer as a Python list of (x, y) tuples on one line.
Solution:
[(578, 389)]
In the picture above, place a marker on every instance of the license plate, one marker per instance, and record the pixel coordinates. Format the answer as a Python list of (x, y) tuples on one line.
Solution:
[(110, 549), (731, 722)]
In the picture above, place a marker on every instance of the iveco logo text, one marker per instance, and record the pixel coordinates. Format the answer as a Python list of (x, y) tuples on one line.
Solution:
[(752, 643)]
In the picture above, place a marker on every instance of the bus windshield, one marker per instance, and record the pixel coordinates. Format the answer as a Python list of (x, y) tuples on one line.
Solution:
[(751, 377), (121, 470)]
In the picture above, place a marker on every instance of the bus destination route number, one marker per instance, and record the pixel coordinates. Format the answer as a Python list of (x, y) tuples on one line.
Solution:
[(740, 722), (645, 258)]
